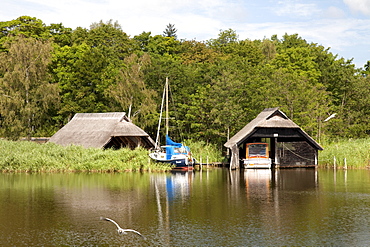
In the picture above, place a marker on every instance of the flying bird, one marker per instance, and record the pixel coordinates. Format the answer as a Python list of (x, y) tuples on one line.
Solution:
[(121, 230), (330, 117)]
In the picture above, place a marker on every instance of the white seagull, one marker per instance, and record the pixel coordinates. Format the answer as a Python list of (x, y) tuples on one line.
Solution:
[(121, 230)]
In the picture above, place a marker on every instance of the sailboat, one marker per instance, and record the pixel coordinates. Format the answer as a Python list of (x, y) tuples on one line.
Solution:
[(173, 153)]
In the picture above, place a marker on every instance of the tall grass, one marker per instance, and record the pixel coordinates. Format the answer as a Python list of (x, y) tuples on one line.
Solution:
[(24, 156), (355, 151), (202, 150)]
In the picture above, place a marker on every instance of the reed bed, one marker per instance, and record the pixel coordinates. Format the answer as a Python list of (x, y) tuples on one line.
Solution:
[(202, 150), (353, 152), (24, 156)]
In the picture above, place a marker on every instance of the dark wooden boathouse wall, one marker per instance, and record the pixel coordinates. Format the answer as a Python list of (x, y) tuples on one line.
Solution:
[(131, 142), (296, 154)]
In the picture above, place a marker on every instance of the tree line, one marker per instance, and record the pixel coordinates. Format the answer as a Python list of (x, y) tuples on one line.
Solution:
[(50, 72)]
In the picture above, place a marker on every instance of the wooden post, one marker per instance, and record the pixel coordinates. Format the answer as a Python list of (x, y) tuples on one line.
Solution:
[(276, 149), (345, 163), (234, 161), (335, 163), (200, 163)]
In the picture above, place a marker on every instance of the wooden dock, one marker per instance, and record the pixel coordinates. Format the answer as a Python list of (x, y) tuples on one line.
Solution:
[(200, 166)]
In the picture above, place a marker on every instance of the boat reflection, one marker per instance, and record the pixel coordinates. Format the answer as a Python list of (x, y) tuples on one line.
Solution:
[(178, 184), (168, 189), (260, 178), (258, 183)]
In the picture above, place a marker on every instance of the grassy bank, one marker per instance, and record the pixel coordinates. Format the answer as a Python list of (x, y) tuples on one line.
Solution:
[(24, 156), (356, 152)]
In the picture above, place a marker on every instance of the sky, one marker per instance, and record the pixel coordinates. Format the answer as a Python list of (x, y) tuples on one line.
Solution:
[(341, 25)]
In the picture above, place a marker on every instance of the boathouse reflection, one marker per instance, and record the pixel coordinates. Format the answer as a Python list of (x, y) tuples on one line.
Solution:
[(259, 182), (296, 179), (273, 196)]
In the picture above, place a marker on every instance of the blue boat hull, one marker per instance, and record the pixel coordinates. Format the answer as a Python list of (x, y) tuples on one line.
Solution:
[(175, 154), (180, 164)]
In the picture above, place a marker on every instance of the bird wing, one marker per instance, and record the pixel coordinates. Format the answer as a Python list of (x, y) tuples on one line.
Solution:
[(130, 230), (107, 219)]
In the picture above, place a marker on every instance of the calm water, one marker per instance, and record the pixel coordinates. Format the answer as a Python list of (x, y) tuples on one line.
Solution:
[(300, 207)]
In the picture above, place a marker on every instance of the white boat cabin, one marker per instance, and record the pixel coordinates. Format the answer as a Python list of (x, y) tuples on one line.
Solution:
[(257, 156)]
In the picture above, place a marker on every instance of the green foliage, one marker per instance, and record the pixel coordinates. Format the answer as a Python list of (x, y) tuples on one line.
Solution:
[(197, 53), (61, 35), (218, 85), (163, 46), (302, 101), (32, 27), (25, 26), (110, 36), (170, 31), (225, 38), (26, 96), (129, 89)]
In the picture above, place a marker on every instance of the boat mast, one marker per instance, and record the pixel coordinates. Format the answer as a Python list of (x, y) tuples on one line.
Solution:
[(160, 119), (167, 115)]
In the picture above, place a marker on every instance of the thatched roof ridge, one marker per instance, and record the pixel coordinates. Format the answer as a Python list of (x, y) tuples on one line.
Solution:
[(250, 127), (97, 129), (268, 118)]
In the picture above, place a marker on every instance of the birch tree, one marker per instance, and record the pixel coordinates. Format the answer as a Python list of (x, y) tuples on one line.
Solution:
[(130, 91), (26, 95)]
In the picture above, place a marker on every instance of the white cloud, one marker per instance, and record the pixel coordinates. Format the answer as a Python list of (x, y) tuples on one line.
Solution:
[(339, 33), (349, 38), (189, 16), (296, 9), (334, 13), (362, 6)]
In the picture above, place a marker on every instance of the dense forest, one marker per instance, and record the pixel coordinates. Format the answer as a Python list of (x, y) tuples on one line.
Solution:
[(50, 72)]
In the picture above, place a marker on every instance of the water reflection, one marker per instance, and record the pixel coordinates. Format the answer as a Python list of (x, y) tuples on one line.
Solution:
[(264, 181), (296, 179), (279, 198), (170, 189), (257, 179), (178, 184), (215, 207)]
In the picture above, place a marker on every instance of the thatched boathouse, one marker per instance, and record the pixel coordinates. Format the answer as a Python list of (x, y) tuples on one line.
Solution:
[(289, 145), (102, 130)]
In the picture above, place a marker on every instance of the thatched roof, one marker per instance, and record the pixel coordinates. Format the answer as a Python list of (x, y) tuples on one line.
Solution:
[(268, 118), (102, 130)]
